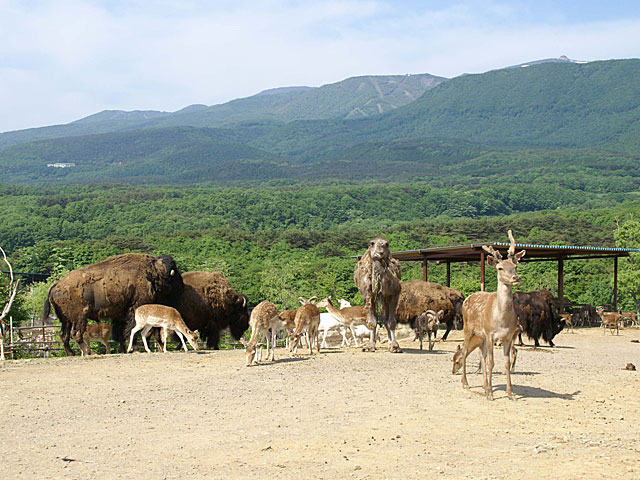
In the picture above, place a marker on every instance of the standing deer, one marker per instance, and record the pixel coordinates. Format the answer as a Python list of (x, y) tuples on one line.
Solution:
[(491, 317), (96, 332), (168, 318)]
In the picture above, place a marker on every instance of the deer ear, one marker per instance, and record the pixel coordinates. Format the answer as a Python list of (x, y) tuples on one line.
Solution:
[(492, 261), (519, 255), (458, 347)]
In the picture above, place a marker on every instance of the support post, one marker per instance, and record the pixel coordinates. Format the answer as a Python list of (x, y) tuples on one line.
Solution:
[(561, 285), (615, 284), (482, 271), (448, 274), (424, 269)]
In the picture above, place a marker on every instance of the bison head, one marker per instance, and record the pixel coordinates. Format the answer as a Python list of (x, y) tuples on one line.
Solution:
[(167, 280), (239, 318)]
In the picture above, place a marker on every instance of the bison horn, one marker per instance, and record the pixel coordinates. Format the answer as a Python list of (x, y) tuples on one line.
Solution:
[(244, 300), (172, 272)]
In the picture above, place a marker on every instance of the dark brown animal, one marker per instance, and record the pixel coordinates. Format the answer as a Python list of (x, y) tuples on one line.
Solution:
[(209, 304), (538, 316), (112, 289), (416, 296), (377, 276)]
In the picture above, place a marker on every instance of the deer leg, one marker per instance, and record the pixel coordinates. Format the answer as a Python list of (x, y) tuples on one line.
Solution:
[(145, 336), (353, 335), (184, 345), (508, 349), (1, 347), (273, 345), (324, 338), (165, 335), (134, 330), (489, 366)]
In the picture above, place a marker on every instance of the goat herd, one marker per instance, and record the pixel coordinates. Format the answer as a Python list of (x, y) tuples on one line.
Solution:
[(139, 292)]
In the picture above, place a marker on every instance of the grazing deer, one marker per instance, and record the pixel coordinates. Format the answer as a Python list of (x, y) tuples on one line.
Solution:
[(264, 320), (96, 332), (307, 322), (491, 317), (168, 318)]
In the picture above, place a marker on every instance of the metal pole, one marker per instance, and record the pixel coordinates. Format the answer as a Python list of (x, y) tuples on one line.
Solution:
[(561, 285), (615, 284), (424, 270), (482, 271), (448, 274)]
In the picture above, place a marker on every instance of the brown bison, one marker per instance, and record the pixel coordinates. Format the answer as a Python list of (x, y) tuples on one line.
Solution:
[(416, 296), (538, 315), (112, 289), (209, 304)]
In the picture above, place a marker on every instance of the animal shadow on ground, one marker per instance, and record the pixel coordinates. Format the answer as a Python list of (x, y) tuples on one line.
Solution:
[(281, 360), (426, 351), (523, 391)]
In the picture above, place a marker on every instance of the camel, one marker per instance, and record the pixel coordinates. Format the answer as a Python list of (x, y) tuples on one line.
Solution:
[(377, 276)]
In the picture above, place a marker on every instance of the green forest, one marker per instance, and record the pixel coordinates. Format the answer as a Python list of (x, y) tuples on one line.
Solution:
[(279, 243)]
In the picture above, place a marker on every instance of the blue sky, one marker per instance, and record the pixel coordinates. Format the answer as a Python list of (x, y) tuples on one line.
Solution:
[(62, 60)]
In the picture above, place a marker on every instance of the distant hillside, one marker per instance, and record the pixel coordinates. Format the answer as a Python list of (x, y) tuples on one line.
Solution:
[(542, 122), (356, 97)]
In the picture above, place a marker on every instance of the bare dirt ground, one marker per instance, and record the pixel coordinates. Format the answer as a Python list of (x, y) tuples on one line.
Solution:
[(340, 414)]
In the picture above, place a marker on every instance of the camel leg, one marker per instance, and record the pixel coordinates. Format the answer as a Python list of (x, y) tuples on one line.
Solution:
[(372, 340), (388, 313)]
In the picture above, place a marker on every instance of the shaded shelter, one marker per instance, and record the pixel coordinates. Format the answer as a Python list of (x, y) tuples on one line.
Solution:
[(535, 253)]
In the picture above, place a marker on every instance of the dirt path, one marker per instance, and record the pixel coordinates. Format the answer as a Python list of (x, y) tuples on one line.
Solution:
[(341, 414)]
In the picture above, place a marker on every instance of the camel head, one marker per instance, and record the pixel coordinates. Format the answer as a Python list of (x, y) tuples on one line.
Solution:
[(379, 249)]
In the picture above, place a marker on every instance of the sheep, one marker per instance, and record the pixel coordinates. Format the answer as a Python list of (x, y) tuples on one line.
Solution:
[(428, 323)]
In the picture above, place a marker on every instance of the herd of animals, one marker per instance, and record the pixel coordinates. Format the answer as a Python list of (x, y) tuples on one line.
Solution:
[(137, 292)]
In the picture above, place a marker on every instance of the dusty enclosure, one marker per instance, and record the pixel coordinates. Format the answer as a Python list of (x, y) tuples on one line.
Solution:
[(341, 414)]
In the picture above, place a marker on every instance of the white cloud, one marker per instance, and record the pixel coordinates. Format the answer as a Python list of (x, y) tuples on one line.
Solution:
[(62, 60)]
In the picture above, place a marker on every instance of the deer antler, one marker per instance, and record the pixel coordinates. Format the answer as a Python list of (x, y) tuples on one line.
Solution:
[(512, 244), (492, 251)]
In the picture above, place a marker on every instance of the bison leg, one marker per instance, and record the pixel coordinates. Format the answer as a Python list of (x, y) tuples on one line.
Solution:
[(213, 337), (446, 334), (65, 335)]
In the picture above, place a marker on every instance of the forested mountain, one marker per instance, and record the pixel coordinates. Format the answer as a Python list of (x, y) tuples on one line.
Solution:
[(356, 97), (576, 119)]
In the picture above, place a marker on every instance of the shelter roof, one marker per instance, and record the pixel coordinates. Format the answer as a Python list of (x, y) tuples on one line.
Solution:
[(473, 251)]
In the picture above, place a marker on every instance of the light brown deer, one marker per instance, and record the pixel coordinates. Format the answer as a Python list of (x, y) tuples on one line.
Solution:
[(264, 321), (307, 321), (610, 320), (97, 332), (349, 316), (491, 317), (167, 318)]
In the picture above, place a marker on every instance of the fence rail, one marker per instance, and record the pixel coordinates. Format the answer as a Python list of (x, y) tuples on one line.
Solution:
[(41, 340)]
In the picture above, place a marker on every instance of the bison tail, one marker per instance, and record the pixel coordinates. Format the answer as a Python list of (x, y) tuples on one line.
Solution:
[(47, 305)]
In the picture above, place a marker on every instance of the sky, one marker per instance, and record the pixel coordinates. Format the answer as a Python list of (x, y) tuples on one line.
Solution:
[(63, 60)]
